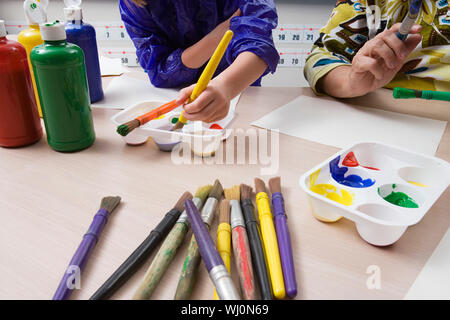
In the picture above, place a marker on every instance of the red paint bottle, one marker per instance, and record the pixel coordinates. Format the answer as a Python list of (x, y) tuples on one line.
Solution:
[(19, 119)]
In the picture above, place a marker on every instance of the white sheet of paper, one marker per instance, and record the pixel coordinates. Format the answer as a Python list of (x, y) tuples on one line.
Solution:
[(111, 67), (123, 92), (339, 124), (433, 282)]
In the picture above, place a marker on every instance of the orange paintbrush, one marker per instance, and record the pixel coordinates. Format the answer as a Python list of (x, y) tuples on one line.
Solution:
[(126, 128)]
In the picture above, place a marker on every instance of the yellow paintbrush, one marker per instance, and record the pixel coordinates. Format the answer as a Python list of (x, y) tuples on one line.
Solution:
[(207, 74)]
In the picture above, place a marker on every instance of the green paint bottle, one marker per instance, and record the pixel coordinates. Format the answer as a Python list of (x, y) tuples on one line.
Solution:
[(62, 85)]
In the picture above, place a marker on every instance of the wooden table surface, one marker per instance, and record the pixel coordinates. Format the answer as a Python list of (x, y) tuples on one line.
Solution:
[(48, 200)]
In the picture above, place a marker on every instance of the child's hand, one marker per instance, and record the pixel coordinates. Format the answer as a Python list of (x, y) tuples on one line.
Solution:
[(379, 60), (211, 105)]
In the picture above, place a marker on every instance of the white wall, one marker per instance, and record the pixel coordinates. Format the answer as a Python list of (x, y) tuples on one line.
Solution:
[(289, 12)]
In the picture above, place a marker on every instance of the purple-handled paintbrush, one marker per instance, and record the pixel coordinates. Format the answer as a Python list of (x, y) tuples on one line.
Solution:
[(213, 261), (284, 240), (81, 256)]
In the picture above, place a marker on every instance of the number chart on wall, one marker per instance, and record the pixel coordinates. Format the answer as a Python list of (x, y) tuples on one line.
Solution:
[(127, 55), (290, 34), (296, 33), (292, 57)]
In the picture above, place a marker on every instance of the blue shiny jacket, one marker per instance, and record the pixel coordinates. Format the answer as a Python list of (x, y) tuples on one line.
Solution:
[(164, 28)]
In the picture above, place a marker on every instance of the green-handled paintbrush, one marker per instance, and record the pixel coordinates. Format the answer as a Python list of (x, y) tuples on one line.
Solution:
[(404, 93), (193, 257), (168, 249)]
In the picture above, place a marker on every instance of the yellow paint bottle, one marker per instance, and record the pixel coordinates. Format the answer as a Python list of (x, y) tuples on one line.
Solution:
[(31, 37)]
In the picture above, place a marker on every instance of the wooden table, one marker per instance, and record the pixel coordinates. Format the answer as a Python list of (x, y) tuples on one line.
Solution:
[(48, 200)]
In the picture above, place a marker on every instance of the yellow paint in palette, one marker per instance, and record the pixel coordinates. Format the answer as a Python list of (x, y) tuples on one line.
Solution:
[(313, 177), (331, 192), (418, 184)]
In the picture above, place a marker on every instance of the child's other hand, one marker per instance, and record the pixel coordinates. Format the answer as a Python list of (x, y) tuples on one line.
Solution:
[(211, 105), (379, 60)]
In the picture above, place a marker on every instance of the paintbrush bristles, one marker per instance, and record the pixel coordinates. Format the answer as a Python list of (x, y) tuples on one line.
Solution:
[(246, 191), (203, 192), (179, 125), (260, 186), (275, 185), (180, 203), (217, 190), (224, 212), (110, 203), (233, 193), (127, 127)]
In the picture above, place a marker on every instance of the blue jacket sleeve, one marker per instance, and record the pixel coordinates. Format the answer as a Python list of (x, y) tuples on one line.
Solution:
[(155, 54), (253, 32)]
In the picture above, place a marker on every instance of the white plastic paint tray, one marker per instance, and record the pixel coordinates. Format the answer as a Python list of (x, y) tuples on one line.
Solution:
[(330, 188), (201, 139)]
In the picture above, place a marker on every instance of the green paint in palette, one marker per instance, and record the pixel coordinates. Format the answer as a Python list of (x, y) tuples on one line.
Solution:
[(400, 199)]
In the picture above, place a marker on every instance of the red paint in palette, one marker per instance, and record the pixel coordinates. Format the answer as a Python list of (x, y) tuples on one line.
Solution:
[(350, 161), (215, 126)]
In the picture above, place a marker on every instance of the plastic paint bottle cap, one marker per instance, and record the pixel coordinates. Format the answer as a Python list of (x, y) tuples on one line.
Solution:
[(73, 14), (2, 29), (73, 11), (42, 3), (72, 3), (35, 11), (53, 31)]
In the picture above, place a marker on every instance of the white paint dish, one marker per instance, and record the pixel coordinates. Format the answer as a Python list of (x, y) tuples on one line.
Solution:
[(379, 222), (160, 129)]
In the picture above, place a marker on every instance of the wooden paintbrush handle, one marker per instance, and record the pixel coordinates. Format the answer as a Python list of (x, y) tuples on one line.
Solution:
[(257, 251), (189, 271), (242, 256), (155, 113), (161, 261)]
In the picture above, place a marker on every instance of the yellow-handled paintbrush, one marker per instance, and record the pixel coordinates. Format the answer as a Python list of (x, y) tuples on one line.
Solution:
[(207, 74)]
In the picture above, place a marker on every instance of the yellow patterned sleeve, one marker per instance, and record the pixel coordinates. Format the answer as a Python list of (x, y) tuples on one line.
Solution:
[(339, 40)]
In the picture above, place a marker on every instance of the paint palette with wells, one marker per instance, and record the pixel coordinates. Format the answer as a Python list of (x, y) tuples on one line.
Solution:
[(203, 138), (382, 189)]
